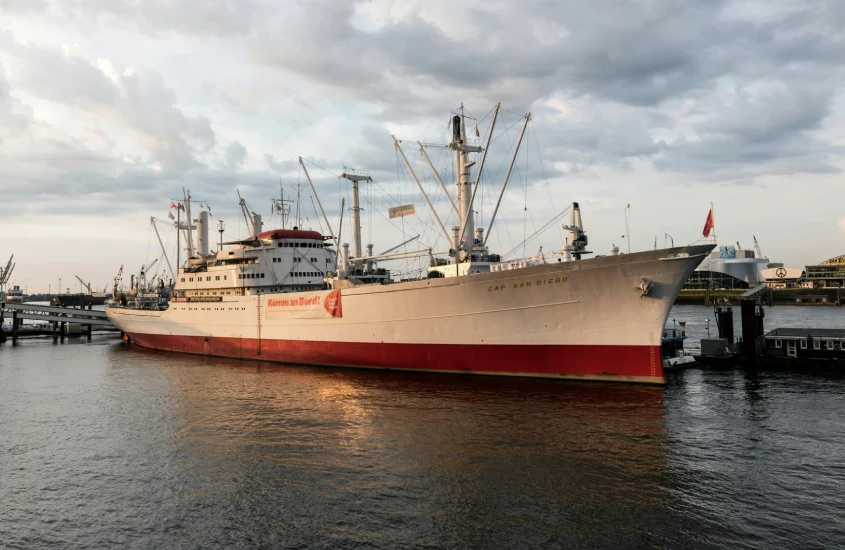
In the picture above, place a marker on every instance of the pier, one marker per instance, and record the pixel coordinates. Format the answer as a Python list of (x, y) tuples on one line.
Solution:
[(63, 321)]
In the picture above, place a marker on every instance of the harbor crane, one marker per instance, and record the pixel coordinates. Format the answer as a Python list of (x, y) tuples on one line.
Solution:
[(757, 247), (117, 279), (85, 284), (6, 273)]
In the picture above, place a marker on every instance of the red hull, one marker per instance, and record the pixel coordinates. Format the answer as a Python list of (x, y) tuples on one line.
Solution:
[(628, 363)]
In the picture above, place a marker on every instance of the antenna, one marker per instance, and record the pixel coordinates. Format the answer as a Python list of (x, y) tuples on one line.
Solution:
[(221, 226), (298, 219)]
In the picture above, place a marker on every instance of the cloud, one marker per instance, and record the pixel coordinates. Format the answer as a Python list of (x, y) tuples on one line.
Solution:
[(108, 102), (235, 155), (152, 16)]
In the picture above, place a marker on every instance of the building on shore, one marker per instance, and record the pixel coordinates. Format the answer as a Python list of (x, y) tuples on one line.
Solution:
[(828, 274), (729, 268), (786, 277)]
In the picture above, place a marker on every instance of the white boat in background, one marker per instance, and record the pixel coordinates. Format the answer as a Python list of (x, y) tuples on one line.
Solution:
[(297, 296), (15, 295)]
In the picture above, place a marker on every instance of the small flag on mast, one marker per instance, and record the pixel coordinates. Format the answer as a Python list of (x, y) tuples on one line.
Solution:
[(172, 205), (708, 224), (171, 216)]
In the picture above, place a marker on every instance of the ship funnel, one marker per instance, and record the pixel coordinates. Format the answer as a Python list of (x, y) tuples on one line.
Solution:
[(202, 233), (256, 221)]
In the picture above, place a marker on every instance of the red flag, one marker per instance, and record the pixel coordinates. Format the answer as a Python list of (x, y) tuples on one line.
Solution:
[(172, 205), (708, 225)]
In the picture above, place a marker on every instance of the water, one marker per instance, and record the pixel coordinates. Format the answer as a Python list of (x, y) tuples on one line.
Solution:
[(104, 446)]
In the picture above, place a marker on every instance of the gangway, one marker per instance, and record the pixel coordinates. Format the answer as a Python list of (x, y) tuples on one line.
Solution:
[(58, 316)]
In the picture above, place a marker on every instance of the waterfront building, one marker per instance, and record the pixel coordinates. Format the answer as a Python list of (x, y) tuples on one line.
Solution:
[(729, 267), (828, 274), (785, 277)]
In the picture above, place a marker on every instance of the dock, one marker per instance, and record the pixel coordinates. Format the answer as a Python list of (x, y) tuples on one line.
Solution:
[(63, 320)]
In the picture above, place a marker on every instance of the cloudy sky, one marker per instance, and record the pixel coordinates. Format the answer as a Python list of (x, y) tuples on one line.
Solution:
[(108, 108)]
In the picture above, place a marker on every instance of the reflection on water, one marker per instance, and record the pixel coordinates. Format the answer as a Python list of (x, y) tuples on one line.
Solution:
[(105, 445)]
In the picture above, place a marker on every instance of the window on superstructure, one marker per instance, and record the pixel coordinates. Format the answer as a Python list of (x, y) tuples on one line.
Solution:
[(817, 344)]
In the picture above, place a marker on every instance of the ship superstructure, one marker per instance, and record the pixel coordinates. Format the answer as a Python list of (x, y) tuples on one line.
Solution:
[(15, 295), (298, 296)]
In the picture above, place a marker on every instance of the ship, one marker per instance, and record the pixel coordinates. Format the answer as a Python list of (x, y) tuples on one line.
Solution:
[(294, 295), (15, 295)]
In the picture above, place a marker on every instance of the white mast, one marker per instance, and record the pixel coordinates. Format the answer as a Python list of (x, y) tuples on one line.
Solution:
[(464, 183), (481, 168), (190, 240), (178, 239), (355, 176)]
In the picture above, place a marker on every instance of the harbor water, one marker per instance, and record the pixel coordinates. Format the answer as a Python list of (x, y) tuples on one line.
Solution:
[(105, 445)]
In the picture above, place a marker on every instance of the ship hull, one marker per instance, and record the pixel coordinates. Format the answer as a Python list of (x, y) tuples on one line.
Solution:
[(598, 319)]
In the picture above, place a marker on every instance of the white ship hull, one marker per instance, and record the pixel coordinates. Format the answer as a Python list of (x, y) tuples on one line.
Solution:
[(584, 319)]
